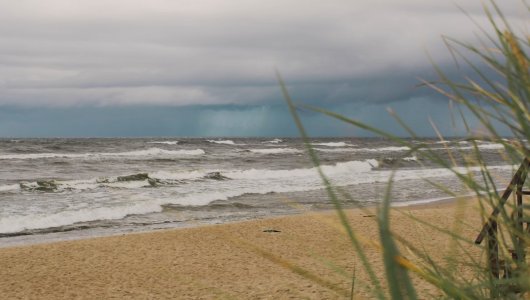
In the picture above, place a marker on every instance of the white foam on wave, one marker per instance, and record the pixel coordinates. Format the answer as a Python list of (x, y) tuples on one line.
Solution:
[(491, 146), (381, 149), (157, 151), (9, 187), (81, 185), (77, 184), (136, 153), (431, 200), (336, 150), (388, 149), (344, 167), (164, 142), (351, 149), (274, 141), (465, 145), (275, 151), (278, 181), (259, 181), (68, 217), (222, 142), (488, 146), (332, 144), (41, 155), (481, 146), (419, 202), (187, 175), (203, 192), (342, 171)]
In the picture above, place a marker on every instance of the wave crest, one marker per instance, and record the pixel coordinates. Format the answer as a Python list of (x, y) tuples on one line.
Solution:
[(275, 151), (136, 153), (222, 142), (332, 144), (164, 142)]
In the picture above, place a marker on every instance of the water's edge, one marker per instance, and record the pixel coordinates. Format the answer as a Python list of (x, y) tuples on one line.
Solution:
[(93, 233)]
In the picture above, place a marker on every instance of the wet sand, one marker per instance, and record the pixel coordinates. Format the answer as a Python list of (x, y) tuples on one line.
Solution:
[(300, 256)]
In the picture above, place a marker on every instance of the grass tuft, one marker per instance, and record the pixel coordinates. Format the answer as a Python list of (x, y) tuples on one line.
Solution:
[(498, 101)]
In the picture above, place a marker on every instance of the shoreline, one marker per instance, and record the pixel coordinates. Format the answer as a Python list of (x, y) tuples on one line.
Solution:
[(83, 234), (304, 256)]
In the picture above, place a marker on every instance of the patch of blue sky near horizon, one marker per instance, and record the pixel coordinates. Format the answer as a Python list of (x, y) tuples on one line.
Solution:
[(226, 120)]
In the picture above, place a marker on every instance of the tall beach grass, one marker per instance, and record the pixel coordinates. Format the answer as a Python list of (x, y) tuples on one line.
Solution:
[(498, 101)]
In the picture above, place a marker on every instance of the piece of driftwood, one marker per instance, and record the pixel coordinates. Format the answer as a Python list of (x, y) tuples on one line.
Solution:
[(271, 230)]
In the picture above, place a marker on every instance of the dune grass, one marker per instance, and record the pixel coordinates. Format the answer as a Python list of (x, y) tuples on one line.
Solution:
[(502, 101)]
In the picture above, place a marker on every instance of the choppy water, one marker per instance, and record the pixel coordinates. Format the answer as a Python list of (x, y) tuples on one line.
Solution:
[(67, 188)]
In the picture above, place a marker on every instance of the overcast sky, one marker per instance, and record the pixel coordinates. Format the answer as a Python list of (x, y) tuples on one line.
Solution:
[(210, 64)]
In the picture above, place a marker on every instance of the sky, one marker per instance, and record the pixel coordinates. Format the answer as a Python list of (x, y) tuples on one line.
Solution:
[(95, 68)]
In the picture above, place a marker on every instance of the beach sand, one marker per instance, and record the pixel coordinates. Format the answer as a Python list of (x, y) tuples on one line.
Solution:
[(310, 257)]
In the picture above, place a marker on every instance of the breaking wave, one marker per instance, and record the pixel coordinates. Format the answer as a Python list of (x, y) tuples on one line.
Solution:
[(201, 187), (275, 151), (136, 153), (274, 141), (222, 142), (332, 144), (28, 222), (336, 150), (164, 142)]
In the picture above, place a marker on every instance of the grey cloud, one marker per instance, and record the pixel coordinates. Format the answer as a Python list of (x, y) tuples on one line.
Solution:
[(163, 52)]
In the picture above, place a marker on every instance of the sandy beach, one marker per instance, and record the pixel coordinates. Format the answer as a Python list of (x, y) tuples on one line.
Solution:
[(299, 256)]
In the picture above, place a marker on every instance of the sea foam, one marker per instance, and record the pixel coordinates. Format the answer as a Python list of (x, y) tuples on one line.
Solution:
[(274, 141), (136, 153), (332, 144), (275, 151), (67, 217), (164, 142), (202, 191), (336, 150), (222, 142)]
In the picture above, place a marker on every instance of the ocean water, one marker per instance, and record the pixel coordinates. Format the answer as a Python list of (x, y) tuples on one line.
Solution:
[(59, 189)]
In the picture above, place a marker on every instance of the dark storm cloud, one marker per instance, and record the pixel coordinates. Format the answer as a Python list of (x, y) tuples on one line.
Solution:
[(206, 68), (107, 53)]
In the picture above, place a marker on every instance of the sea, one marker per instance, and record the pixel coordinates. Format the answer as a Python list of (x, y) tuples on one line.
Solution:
[(70, 188)]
